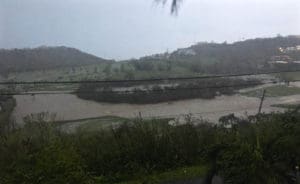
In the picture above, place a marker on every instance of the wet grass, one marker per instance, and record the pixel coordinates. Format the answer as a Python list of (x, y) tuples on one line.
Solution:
[(96, 124), (101, 123), (274, 91), (289, 76), (287, 106), (90, 124)]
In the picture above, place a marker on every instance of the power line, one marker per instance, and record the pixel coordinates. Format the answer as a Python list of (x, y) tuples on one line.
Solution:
[(144, 80), (144, 91)]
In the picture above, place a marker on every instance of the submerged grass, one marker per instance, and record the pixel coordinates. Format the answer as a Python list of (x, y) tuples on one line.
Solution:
[(101, 123), (287, 106), (289, 76), (90, 124), (274, 91)]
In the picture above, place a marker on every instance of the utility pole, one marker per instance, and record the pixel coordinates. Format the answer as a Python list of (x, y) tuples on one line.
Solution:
[(297, 174), (261, 101), (259, 111)]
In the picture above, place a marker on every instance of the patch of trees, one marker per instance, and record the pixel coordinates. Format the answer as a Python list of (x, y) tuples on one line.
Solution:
[(7, 105), (260, 149), (143, 65), (159, 92)]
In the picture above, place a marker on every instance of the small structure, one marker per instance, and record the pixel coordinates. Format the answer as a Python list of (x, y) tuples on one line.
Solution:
[(278, 62), (281, 59), (290, 49), (281, 49)]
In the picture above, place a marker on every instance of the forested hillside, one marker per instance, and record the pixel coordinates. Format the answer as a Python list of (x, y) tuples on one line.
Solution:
[(243, 56), (44, 58)]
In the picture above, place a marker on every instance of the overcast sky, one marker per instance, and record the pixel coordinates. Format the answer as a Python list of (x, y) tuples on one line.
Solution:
[(122, 29)]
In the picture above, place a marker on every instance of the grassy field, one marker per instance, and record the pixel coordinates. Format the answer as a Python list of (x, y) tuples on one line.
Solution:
[(289, 76), (274, 91), (71, 73), (287, 106), (114, 71), (118, 70)]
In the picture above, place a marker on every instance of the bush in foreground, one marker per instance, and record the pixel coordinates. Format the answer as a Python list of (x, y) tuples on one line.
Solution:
[(260, 149)]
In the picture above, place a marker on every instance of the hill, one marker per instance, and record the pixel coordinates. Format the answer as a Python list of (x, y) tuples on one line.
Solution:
[(44, 58), (61, 63), (237, 57)]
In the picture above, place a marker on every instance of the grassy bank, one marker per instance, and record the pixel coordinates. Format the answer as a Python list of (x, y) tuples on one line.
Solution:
[(287, 106), (290, 76), (274, 91), (91, 124)]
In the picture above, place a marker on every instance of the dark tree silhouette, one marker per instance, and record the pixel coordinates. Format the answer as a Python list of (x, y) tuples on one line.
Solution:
[(174, 5)]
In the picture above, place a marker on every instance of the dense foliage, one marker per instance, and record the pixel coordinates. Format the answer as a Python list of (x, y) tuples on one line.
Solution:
[(7, 104), (261, 149), (160, 92)]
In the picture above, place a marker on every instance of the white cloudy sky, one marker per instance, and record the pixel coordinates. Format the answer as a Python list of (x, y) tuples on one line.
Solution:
[(122, 29)]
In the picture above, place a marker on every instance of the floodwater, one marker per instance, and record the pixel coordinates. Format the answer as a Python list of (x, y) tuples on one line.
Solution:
[(70, 107)]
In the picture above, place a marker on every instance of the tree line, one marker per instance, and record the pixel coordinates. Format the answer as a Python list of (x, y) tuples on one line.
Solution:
[(143, 93)]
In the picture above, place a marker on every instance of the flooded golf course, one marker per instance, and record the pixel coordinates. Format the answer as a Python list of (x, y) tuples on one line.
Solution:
[(68, 107)]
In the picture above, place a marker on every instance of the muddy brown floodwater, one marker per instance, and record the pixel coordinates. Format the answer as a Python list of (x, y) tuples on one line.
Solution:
[(70, 107)]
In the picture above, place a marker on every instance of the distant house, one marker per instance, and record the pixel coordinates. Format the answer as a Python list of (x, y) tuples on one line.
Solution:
[(281, 49), (281, 59), (278, 62), (290, 49)]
